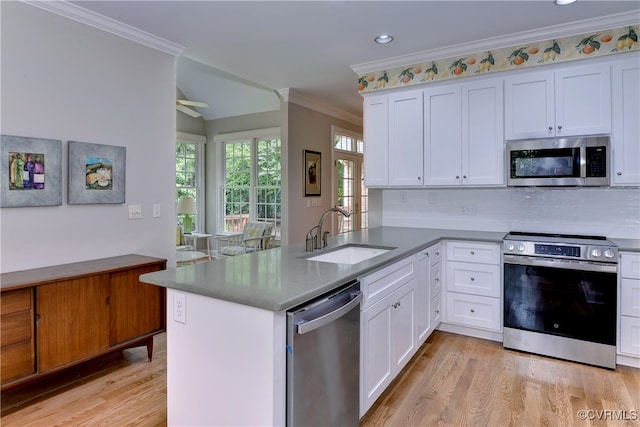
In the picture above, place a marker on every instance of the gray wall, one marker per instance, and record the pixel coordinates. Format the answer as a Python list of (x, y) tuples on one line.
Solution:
[(68, 81)]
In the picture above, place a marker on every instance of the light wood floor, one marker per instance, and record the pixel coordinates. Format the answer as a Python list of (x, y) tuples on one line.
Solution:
[(452, 381)]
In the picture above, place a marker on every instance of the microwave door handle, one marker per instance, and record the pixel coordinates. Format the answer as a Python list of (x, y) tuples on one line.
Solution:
[(583, 161)]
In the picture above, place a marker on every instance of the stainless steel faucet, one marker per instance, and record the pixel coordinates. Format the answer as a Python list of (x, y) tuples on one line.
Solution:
[(320, 239)]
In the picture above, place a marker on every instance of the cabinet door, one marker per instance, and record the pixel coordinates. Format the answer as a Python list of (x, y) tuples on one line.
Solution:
[(583, 100), (17, 358), (630, 335), (137, 309), (405, 139), (482, 133), (423, 295), (376, 363), (529, 105), (376, 133), (473, 310), (72, 320), (626, 126), (403, 325), (442, 135)]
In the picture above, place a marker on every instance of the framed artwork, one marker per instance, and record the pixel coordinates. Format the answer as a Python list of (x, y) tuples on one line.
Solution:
[(31, 170), (96, 173), (312, 173)]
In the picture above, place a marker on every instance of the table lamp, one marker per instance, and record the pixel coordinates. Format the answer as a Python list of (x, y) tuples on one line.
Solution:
[(187, 207)]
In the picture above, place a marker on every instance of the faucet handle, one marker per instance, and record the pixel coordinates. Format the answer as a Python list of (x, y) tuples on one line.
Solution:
[(324, 239)]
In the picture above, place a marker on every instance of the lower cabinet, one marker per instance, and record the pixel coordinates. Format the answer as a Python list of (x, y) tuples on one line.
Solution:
[(473, 297), (428, 295), (55, 317), (387, 342), (629, 318)]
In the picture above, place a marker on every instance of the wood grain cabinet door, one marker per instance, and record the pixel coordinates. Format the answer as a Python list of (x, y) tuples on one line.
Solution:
[(72, 320), (137, 309)]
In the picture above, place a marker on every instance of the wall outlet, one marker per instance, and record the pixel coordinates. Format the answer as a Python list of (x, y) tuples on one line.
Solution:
[(467, 210), (180, 308), (404, 197), (157, 212), (135, 211)]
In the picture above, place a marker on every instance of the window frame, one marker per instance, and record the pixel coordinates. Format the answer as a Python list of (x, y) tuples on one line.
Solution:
[(252, 136), (199, 142)]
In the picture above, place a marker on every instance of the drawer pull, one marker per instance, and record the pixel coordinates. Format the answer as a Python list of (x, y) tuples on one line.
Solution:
[(473, 279), (472, 310), (38, 317), (473, 253), (396, 305), (437, 279)]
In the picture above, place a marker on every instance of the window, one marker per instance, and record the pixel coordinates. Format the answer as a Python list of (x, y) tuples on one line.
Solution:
[(351, 194), (189, 175), (252, 179)]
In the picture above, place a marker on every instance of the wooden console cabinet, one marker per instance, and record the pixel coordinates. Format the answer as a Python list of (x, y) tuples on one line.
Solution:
[(55, 317)]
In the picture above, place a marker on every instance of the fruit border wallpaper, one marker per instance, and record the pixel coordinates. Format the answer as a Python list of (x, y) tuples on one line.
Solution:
[(601, 43)]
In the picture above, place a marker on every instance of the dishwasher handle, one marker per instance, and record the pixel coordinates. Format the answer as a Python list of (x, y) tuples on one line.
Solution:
[(318, 322)]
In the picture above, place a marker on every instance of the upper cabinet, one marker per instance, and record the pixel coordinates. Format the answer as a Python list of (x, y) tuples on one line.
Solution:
[(376, 133), (393, 131), (570, 101), (626, 126), (405, 139), (463, 134)]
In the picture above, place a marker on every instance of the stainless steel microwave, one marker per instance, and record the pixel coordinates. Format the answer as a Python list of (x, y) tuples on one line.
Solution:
[(575, 161)]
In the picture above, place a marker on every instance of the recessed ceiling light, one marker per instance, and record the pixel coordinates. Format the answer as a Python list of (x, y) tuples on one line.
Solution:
[(384, 39), (563, 2)]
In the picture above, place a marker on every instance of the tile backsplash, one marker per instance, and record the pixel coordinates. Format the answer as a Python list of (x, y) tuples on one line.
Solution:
[(611, 212)]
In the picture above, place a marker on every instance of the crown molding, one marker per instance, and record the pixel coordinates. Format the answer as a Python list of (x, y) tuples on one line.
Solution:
[(287, 95), (92, 19), (541, 34)]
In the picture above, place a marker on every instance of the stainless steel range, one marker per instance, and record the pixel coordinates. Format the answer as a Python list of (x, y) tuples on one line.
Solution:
[(560, 296)]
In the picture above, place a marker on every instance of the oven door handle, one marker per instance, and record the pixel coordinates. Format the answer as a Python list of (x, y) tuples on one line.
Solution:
[(565, 264)]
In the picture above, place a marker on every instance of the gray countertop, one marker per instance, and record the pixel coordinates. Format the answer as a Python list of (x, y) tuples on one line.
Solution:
[(278, 279)]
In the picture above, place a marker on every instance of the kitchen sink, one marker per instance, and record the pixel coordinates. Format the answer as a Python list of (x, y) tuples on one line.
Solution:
[(349, 254)]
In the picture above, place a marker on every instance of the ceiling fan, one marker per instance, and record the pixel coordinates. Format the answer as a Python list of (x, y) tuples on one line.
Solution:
[(183, 105)]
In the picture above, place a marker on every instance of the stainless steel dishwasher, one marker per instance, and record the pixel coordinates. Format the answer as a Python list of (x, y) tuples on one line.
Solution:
[(323, 356)]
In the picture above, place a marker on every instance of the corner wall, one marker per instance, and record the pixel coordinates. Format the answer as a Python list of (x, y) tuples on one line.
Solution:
[(65, 80)]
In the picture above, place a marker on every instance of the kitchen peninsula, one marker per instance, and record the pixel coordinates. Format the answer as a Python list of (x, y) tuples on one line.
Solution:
[(226, 321)]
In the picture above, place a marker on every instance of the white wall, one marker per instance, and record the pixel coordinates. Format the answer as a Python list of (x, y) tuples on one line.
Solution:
[(612, 212), (65, 80)]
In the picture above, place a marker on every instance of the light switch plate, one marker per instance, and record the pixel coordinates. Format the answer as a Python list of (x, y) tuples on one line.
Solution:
[(135, 211)]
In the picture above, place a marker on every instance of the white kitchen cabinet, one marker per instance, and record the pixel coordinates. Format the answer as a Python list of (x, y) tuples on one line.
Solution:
[(376, 135), (463, 134), (428, 288), (629, 318), (379, 284), (625, 138), (387, 342), (405, 139), (572, 100), (473, 286), (393, 135)]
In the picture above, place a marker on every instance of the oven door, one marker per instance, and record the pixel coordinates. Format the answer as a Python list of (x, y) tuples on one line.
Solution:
[(565, 298)]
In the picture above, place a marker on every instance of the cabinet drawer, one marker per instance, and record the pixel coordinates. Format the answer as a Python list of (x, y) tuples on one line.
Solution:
[(16, 361), (13, 301), (472, 310), (630, 335), (16, 327), (630, 298), (436, 310), (485, 253), (436, 252), (381, 283), (476, 279), (435, 279), (630, 265)]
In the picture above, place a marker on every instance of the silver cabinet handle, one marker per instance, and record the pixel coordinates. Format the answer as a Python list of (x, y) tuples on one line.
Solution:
[(559, 127), (473, 279), (550, 128), (473, 253), (472, 310), (619, 173)]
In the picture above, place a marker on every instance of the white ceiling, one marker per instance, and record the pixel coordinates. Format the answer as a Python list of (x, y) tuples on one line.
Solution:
[(310, 46)]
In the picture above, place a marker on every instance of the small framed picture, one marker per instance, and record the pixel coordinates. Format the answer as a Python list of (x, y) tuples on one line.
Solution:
[(32, 168), (96, 173), (312, 173)]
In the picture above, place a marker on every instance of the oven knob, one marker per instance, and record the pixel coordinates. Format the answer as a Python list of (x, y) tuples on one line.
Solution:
[(608, 253), (510, 246), (520, 247), (595, 252)]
